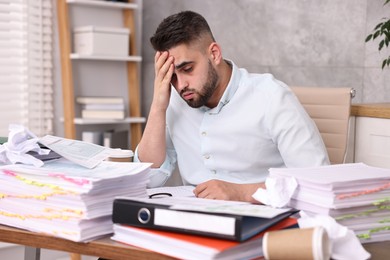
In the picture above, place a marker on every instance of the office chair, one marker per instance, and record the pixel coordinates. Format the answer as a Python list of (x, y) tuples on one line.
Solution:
[(330, 109)]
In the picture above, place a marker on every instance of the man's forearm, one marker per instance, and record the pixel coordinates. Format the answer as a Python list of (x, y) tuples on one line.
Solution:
[(152, 145)]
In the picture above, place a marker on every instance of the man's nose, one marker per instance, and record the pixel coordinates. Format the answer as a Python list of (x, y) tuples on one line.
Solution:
[(181, 83)]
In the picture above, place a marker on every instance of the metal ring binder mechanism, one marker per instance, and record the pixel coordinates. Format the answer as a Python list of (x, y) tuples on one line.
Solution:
[(144, 215)]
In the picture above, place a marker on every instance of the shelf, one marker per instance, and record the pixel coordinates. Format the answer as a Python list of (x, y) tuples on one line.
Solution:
[(105, 4), (127, 120), (77, 56)]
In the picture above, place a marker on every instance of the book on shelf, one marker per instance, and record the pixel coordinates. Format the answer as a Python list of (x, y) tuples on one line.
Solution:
[(103, 114), (203, 218), (187, 246), (355, 194), (109, 106), (102, 107), (67, 200), (99, 100)]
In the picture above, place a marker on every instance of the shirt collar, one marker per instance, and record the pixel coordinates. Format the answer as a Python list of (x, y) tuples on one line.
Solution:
[(229, 91)]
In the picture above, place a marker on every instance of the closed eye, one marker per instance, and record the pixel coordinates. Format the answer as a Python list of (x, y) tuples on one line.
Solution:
[(186, 66), (188, 70)]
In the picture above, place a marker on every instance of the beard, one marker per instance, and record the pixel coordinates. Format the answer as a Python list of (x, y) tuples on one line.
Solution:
[(203, 96)]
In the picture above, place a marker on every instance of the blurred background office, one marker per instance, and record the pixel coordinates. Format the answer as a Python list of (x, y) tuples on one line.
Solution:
[(301, 42)]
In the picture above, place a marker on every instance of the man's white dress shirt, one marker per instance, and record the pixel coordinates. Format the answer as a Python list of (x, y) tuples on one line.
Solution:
[(258, 124)]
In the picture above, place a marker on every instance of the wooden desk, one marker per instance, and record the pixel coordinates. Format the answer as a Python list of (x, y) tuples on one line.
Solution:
[(106, 248)]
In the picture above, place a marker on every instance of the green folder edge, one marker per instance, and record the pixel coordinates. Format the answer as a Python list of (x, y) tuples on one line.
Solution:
[(3, 139)]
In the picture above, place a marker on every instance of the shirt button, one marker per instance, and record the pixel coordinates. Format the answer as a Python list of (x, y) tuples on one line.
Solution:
[(206, 156), (204, 133), (214, 172)]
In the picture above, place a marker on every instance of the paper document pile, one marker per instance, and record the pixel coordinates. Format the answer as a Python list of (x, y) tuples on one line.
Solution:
[(356, 195), (65, 199), (187, 246)]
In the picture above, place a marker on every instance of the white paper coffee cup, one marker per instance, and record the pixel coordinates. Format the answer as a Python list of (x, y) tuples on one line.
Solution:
[(119, 155)]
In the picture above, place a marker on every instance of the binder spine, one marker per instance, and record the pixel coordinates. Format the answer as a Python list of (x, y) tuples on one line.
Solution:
[(142, 215), (130, 213)]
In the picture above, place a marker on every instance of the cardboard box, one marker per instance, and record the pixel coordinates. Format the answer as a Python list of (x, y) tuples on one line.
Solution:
[(93, 40)]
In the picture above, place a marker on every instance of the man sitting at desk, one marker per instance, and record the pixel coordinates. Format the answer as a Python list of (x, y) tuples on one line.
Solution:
[(223, 126)]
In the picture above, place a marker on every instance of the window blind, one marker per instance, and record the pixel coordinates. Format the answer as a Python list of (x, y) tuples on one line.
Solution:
[(26, 66)]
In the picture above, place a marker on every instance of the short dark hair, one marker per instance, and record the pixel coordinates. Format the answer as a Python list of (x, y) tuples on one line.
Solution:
[(184, 27)]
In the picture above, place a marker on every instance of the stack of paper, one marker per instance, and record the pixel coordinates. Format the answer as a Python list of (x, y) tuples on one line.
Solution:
[(187, 246), (356, 195), (65, 199)]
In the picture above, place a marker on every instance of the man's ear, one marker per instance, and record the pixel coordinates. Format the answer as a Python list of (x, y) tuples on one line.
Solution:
[(215, 53)]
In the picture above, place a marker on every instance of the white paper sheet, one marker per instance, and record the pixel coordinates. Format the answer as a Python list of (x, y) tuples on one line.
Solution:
[(278, 191), (20, 142), (215, 206), (86, 154)]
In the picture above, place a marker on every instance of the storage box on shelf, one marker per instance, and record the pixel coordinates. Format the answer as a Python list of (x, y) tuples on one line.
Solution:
[(94, 40)]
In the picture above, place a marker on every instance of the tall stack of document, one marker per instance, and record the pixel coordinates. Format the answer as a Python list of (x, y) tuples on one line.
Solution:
[(356, 195), (65, 199)]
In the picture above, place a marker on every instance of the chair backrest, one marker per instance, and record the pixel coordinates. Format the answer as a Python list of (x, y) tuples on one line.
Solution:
[(330, 109)]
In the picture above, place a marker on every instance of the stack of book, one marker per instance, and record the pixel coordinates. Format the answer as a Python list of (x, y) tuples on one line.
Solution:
[(356, 195), (194, 228), (102, 107), (67, 200)]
